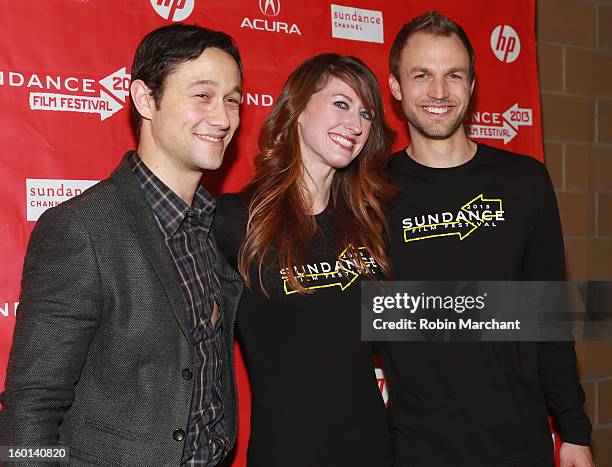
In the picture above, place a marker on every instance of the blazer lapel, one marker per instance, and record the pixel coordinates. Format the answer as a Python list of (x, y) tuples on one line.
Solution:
[(141, 219)]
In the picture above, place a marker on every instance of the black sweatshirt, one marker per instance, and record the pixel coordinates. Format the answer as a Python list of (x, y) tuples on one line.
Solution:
[(479, 403), (315, 399)]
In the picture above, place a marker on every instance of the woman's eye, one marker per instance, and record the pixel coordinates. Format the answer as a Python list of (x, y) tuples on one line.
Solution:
[(341, 104), (367, 115)]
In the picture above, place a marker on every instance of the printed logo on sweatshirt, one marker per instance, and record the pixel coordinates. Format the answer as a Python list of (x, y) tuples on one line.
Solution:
[(479, 212), (339, 273)]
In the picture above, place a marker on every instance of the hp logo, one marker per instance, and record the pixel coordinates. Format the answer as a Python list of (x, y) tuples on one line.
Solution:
[(174, 10), (505, 43)]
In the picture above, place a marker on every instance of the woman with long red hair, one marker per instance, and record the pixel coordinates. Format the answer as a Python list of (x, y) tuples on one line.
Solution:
[(303, 234)]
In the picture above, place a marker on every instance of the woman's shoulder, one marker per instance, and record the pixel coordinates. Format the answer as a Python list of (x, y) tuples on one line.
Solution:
[(229, 225), (232, 204)]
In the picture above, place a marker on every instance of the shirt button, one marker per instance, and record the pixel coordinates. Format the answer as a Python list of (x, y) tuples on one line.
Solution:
[(178, 435), (187, 374)]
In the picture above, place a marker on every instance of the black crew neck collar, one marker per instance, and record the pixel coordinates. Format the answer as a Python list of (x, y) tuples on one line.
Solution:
[(441, 171), (326, 211)]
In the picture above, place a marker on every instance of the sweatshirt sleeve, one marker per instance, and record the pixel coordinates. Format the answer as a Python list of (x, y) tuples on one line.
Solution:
[(544, 260)]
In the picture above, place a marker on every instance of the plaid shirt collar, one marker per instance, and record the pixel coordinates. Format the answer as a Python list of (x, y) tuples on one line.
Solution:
[(167, 206)]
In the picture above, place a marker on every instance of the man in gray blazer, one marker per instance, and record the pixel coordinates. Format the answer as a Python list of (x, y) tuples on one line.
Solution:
[(122, 349)]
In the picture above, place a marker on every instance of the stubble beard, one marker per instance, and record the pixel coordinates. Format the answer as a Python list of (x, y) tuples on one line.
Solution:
[(434, 131)]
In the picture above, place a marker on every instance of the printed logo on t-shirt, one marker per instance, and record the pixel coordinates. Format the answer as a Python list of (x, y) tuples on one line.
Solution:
[(340, 273), (479, 212)]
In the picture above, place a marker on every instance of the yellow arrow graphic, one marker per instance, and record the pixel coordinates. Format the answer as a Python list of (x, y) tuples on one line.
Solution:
[(346, 279), (461, 231)]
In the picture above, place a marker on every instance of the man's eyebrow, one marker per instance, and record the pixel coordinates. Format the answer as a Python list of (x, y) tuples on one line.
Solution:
[(427, 70), (456, 69), (210, 82)]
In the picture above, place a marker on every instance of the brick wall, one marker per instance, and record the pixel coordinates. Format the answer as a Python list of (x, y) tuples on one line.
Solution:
[(575, 62)]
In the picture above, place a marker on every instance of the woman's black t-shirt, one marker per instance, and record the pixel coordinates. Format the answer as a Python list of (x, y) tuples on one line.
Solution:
[(315, 399)]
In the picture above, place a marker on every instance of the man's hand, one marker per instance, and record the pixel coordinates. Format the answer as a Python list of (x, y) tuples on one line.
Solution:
[(574, 455)]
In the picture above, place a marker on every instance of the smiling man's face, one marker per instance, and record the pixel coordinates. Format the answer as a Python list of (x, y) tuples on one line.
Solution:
[(434, 85), (198, 112)]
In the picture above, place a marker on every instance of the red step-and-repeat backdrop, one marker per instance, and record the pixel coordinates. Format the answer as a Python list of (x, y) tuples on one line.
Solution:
[(64, 100)]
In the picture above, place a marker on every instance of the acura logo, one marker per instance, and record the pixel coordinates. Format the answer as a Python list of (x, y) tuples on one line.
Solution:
[(269, 7)]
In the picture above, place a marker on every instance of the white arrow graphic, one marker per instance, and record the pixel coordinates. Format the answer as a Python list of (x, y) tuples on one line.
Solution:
[(118, 84), (505, 132), (111, 107), (517, 116), (104, 105)]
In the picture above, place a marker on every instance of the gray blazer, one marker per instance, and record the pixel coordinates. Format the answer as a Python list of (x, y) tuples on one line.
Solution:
[(102, 337)]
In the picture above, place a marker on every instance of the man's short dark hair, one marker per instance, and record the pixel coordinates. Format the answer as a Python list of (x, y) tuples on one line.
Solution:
[(163, 49), (433, 23)]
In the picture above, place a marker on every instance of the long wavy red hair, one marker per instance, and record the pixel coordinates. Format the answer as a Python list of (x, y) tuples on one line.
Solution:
[(280, 223)]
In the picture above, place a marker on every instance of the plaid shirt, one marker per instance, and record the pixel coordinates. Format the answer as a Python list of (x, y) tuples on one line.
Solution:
[(186, 230)]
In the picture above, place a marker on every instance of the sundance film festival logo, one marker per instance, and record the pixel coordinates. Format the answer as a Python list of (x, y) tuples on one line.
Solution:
[(43, 193), (270, 9), (505, 43), (503, 126), (382, 386), (174, 10), (357, 24), (8, 309), (72, 94), (258, 99)]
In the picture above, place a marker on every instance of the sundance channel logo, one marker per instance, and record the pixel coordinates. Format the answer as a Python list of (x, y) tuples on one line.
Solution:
[(44, 193), (58, 93), (357, 24)]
